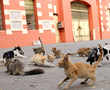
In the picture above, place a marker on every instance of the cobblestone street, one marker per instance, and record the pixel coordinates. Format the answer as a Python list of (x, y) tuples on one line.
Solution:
[(49, 80)]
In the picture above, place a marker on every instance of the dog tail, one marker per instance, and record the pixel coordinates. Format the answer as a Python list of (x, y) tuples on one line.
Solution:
[(42, 45), (72, 54), (34, 72), (100, 56)]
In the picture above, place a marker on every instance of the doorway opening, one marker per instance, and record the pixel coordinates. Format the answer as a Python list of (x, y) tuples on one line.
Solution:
[(80, 22)]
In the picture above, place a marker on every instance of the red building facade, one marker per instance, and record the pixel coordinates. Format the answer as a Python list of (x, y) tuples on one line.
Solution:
[(23, 21)]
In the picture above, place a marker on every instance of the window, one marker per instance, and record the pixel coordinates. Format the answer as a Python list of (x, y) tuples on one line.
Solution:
[(30, 17), (1, 27)]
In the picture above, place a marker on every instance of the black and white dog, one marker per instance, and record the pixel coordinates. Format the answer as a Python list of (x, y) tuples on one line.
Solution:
[(16, 52), (106, 51), (94, 54)]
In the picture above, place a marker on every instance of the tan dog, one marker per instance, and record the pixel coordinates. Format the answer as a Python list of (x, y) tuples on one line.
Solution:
[(51, 58), (79, 70), (81, 52), (39, 59)]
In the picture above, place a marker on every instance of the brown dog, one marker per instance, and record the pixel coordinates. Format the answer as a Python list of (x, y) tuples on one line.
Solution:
[(79, 70), (15, 67), (38, 50), (57, 53), (83, 52)]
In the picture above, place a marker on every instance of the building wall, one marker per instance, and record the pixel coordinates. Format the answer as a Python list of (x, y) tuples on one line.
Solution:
[(104, 6), (99, 17), (44, 9), (24, 37), (93, 17)]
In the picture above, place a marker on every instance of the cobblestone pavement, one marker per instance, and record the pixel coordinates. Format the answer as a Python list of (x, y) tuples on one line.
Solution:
[(52, 76)]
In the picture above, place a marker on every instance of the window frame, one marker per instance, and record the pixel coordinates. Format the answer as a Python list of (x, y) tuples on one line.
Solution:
[(35, 15)]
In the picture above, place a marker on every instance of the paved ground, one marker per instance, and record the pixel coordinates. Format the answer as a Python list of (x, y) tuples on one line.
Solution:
[(52, 76)]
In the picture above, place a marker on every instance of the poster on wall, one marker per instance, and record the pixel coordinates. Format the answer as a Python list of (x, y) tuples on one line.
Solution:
[(16, 20), (46, 24), (16, 25), (15, 15)]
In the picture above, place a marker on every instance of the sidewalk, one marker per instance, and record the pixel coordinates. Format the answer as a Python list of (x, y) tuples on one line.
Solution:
[(52, 76)]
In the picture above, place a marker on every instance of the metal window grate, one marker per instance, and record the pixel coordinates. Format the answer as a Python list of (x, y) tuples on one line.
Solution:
[(30, 18)]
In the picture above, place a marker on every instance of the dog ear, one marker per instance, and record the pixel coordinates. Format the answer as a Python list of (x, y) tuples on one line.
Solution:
[(66, 58), (15, 46), (99, 45), (54, 48), (75, 68)]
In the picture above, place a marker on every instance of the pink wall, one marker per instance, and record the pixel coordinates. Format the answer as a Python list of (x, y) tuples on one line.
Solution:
[(98, 22), (105, 18), (25, 40), (18, 37)]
